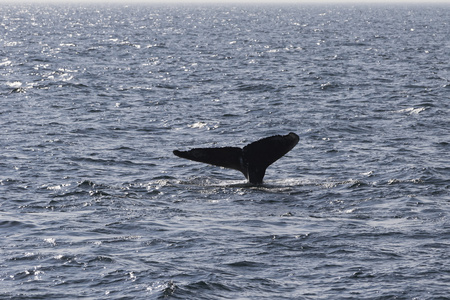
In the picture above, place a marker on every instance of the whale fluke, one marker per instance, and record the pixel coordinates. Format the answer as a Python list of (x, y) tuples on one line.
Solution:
[(252, 160)]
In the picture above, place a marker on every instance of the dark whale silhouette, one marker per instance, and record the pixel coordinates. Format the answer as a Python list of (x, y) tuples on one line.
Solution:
[(252, 160)]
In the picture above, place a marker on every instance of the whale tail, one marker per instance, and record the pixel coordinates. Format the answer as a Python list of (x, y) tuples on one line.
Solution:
[(252, 160)]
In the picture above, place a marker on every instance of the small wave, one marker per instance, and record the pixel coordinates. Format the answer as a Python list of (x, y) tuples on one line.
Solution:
[(101, 258), (289, 185), (26, 257), (257, 88), (55, 187), (194, 288), (396, 181), (86, 183), (246, 264), (411, 110), (201, 125), (10, 225), (8, 181), (29, 274), (208, 182), (5, 63), (14, 85), (166, 289), (329, 86)]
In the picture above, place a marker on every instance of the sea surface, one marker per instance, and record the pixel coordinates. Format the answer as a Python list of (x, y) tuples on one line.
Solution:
[(94, 99)]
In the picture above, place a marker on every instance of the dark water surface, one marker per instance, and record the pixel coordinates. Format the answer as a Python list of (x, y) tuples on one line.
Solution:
[(94, 99)]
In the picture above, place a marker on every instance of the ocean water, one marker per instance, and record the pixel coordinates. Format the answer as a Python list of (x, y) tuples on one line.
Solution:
[(94, 99)]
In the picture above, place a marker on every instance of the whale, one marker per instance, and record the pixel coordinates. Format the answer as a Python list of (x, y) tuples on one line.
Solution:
[(252, 160)]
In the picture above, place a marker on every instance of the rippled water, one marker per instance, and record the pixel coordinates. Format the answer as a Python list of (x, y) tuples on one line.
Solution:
[(94, 204)]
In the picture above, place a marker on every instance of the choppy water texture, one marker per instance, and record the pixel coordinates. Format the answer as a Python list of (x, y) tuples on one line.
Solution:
[(95, 98)]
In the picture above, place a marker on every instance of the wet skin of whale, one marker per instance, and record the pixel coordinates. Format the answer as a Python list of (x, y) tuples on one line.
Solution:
[(252, 160)]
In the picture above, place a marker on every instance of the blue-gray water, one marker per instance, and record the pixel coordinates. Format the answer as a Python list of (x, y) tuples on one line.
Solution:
[(94, 205)]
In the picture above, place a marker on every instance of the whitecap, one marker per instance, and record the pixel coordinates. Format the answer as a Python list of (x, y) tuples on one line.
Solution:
[(411, 110), (417, 110), (198, 125), (14, 85), (5, 63), (51, 241)]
